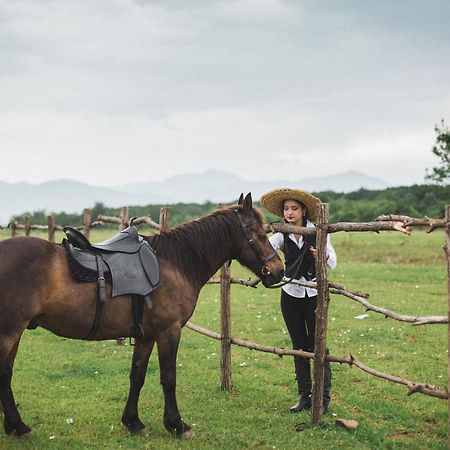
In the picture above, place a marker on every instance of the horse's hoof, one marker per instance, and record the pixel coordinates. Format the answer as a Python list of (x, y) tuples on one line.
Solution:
[(189, 434), (27, 435), (142, 432)]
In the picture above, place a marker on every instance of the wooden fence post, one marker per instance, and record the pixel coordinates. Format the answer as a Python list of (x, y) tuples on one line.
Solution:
[(13, 225), (123, 218), (51, 228), (164, 219), (447, 253), (87, 220), (27, 225), (323, 299), (225, 327), (123, 223)]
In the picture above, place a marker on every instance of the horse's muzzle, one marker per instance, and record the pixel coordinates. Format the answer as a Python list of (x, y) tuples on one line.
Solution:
[(272, 278)]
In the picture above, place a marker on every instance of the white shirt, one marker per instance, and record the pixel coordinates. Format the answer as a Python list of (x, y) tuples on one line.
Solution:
[(277, 241)]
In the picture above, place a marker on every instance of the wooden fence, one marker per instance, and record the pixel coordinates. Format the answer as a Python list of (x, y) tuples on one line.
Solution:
[(122, 222), (324, 287)]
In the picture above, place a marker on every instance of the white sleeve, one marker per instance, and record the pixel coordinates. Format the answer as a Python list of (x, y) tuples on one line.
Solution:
[(332, 258), (277, 241)]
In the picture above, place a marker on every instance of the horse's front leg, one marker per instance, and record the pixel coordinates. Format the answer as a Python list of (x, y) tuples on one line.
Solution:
[(141, 354), (167, 343)]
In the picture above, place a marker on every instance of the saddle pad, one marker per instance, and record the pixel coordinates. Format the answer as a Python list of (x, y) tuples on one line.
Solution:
[(79, 272)]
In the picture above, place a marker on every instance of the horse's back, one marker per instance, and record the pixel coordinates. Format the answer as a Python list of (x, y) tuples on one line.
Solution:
[(25, 255)]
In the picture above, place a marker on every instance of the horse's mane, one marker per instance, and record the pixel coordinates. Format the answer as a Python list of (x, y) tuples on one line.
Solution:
[(189, 246)]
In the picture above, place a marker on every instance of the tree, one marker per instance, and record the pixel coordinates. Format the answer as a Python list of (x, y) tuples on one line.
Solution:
[(442, 150)]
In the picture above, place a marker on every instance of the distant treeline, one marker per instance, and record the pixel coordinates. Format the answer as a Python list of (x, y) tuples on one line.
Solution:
[(359, 206)]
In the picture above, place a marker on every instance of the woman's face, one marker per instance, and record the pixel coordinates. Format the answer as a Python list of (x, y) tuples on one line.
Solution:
[(293, 212)]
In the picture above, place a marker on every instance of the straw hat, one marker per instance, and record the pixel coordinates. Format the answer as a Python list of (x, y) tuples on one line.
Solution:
[(273, 201)]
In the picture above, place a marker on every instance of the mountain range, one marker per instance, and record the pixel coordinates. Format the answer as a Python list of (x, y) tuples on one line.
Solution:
[(72, 196)]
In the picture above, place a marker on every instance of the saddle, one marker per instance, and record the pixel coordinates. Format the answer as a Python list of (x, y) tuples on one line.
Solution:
[(126, 260)]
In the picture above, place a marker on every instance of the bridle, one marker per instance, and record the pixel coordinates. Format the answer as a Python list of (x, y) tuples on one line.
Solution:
[(263, 260)]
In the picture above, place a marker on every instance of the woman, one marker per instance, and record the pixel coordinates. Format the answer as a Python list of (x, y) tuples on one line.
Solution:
[(298, 303)]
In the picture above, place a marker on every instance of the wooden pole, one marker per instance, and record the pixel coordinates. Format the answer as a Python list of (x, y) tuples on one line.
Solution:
[(323, 299), (123, 218), (447, 253), (123, 223), (27, 225), (87, 219), (51, 228), (164, 219), (225, 327), (13, 225)]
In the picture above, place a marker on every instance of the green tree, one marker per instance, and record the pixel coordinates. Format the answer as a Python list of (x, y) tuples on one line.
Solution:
[(441, 149)]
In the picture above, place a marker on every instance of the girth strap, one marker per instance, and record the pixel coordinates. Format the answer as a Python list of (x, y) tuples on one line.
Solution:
[(101, 279), (137, 309), (101, 298)]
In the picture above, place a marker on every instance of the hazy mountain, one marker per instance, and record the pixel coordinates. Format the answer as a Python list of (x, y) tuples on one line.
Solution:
[(220, 186), (61, 195), (72, 196)]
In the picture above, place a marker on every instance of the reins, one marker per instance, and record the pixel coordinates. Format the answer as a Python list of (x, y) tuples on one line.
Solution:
[(297, 264)]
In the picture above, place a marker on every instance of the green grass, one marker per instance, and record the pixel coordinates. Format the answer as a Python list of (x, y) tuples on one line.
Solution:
[(59, 381)]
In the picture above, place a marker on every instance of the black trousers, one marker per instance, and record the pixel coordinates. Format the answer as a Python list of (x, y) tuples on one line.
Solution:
[(299, 316)]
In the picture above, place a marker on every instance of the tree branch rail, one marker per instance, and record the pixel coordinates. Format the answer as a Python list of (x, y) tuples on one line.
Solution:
[(413, 386)]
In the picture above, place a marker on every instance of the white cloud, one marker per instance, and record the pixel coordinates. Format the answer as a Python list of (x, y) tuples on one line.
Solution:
[(265, 89)]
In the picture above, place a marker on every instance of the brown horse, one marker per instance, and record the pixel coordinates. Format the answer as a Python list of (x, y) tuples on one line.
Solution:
[(35, 285)]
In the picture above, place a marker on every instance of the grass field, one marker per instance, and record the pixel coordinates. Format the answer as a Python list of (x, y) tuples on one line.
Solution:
[(72, 392)]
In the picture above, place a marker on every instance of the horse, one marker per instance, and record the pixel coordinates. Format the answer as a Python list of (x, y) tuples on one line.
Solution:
[(36, 287)]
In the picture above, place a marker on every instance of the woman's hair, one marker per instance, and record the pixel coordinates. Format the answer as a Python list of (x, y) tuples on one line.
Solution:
[(304, 220)]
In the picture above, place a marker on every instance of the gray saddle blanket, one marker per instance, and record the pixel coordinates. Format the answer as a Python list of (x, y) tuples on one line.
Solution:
[(127, 260)]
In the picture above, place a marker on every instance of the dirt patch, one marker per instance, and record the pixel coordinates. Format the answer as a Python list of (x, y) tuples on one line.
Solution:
[(402, 436)]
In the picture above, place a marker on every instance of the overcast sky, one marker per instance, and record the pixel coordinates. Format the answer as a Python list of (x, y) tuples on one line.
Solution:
[(117, 91)]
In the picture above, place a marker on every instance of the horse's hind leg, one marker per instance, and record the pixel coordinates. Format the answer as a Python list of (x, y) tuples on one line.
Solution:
[(141, 354), (12, 421)]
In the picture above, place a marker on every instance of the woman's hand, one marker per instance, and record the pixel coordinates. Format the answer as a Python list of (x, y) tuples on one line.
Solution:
[(313, 250)]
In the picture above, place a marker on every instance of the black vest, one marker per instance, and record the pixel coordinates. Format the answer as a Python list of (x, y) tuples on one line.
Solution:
[(307, 268)]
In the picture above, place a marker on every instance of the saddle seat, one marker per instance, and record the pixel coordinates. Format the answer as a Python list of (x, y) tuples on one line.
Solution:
[(127, 241), (127, 257)]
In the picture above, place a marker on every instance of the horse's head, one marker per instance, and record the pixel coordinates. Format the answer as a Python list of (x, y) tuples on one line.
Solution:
[(254, 249)]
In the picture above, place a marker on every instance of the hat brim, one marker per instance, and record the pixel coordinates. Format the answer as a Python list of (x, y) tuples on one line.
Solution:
[(273, 201)]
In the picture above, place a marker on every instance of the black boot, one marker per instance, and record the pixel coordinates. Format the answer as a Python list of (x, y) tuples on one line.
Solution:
[(303, 372), (303, 403), (326, 384)]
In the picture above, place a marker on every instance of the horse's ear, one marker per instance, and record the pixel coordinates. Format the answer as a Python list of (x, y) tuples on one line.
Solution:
[(248, 203), (241, 199)]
